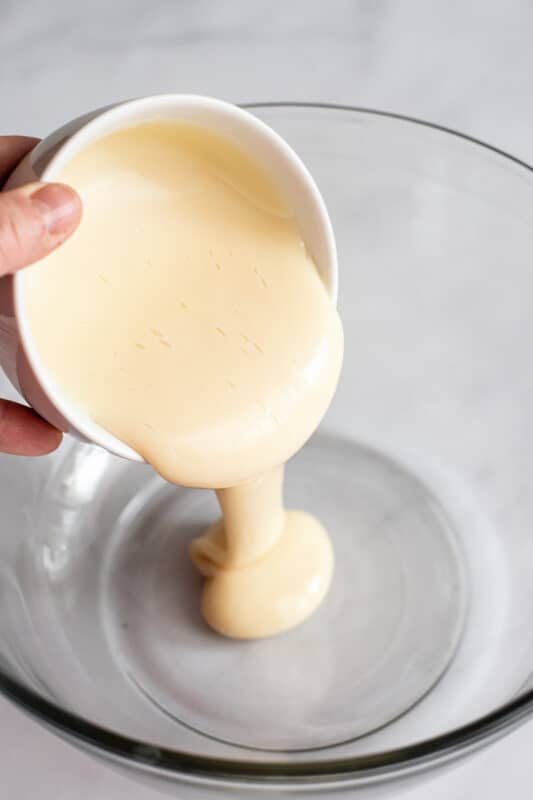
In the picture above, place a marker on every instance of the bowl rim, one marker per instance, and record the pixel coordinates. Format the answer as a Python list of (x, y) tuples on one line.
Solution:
[(360, 769)]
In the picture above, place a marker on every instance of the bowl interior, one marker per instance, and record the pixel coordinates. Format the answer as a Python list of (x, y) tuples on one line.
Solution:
[(422, 467)]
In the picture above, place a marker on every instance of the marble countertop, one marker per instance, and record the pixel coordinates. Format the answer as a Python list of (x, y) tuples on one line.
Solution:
[(463, 65)]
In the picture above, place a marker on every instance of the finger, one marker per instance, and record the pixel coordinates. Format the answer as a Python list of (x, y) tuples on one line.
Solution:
[(24, 433), (34, 220), (12, 150)]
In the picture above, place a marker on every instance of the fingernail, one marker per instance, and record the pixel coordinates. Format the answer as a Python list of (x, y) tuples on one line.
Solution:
[(58, 205)]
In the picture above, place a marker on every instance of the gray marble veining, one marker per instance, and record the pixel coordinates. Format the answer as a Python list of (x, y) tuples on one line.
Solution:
[(466, 65)]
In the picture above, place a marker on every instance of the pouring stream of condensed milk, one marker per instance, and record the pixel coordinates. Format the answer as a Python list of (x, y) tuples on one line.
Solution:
[(186, 317)]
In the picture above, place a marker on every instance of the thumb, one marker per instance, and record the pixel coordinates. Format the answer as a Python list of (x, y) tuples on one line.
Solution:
[(34, 220)]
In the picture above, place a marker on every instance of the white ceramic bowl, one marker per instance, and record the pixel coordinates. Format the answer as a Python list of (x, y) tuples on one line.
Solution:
[(18, 351)]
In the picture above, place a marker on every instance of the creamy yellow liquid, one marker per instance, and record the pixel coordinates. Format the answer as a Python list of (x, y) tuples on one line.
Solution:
[(186, 318)]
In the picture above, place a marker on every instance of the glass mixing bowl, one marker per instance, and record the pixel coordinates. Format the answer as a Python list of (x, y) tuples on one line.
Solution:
[(423, 650)]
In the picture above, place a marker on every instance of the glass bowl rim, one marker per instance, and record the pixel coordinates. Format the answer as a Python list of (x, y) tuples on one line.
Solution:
[(371, 767)]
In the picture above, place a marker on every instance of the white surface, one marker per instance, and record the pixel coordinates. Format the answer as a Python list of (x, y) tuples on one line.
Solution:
[(463, 64)]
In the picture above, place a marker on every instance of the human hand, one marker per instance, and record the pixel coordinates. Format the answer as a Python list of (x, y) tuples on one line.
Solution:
[(34, 220)]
